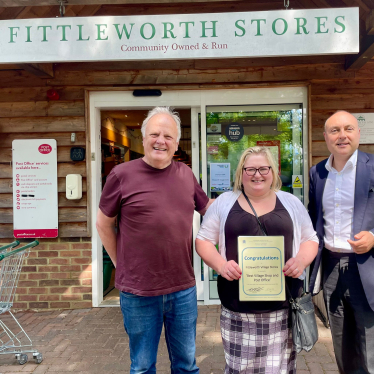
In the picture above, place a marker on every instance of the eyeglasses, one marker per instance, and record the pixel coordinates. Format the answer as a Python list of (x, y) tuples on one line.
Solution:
[(263, 170)]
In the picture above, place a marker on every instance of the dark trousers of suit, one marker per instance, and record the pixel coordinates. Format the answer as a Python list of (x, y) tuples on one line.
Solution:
[(351, 318)]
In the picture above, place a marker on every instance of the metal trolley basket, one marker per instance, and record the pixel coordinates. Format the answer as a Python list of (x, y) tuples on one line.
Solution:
[(14, 341)]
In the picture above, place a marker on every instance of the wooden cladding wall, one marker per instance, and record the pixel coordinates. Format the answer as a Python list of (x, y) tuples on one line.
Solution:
[(25, 113), (330, 95)]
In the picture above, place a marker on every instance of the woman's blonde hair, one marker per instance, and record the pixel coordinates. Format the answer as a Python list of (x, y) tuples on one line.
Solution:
[(275, 185)]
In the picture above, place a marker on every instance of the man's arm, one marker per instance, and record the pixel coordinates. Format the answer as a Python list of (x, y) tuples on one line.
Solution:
[(106, 229), (202, 211)]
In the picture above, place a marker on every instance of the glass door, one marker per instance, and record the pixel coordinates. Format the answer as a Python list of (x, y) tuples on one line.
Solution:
[(232, 129)]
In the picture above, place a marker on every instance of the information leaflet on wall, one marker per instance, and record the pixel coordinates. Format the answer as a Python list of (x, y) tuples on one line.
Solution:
[(35, 197), (366, 124), (220, 177)]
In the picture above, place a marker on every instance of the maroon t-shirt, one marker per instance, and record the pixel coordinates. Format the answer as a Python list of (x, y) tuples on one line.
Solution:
[(155, 209)]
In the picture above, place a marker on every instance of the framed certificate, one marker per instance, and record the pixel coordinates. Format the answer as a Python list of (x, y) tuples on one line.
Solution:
[(261, 259)]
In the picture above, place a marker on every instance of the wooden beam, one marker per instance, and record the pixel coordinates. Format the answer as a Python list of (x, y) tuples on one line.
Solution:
[(356, 62), (40, 70), (23, 3), (370, 23)]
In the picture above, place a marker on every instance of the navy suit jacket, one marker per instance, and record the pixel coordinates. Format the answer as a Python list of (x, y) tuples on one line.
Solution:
[(363, 216)]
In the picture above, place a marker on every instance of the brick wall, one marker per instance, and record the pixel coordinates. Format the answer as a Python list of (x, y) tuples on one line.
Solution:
[(57, 274)]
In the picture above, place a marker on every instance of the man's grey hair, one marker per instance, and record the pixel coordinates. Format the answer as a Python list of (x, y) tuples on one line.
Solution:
[(163, 110)]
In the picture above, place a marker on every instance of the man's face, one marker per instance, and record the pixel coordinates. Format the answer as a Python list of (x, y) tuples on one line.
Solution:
[(342, 135), (160, 141)]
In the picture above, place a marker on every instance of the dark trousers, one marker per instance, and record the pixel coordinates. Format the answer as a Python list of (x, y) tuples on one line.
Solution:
[(351, 318)]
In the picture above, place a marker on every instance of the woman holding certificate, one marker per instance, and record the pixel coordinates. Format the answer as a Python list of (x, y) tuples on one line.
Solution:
[(256, 335)]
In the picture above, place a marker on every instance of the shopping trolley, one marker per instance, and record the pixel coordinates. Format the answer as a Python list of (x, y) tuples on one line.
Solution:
[(14, 341)]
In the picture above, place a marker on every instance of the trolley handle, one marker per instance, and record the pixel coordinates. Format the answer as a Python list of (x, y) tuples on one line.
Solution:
[(11, 253), (11, 245)]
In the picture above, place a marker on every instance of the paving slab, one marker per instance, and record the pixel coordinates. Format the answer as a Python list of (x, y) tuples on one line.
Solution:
[(90, 341)]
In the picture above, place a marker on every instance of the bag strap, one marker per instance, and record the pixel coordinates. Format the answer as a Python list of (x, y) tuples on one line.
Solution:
[(254, 212), (263, 229)]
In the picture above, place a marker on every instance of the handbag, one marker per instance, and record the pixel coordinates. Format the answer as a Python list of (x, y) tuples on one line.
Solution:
[(304, 325), (303, 319)]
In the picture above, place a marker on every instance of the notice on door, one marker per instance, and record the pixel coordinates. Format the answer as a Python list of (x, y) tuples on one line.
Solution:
[(220, 177), (35, 198)]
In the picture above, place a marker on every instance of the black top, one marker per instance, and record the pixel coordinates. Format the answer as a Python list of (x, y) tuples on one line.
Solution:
[(239, 222)]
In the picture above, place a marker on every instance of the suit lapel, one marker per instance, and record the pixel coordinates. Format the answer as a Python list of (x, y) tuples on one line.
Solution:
[(320, 186), (362, 186)]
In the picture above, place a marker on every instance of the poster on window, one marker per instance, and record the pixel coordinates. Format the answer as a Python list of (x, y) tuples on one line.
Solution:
[(35, 194), (274, 147), (220, 177), (366, 124)]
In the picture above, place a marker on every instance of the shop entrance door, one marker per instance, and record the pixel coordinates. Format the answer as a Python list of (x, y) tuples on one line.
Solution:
[(229, 130), (276, 116)]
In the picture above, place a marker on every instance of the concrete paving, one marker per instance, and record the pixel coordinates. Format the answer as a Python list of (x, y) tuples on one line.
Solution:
[(89, 341)]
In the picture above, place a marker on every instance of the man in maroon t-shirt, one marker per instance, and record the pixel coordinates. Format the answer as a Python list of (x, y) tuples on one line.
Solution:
[(153, 199)]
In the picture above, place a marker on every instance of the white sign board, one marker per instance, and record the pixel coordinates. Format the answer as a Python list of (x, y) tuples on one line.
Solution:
[(180, 36), (35, 198), (220, 177), (366, 124)]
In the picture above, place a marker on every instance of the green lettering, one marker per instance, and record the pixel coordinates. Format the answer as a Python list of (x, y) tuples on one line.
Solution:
[(63, 32), (13, 34), (168, 30), (204, 28), (80, 37), (258, 21), (124, 29), (285, 26), (100, 31), (301, 26), (319, 24), (186, 34), (240, 27), (44, 32), (28, 28), (142, 30), (340, 24)]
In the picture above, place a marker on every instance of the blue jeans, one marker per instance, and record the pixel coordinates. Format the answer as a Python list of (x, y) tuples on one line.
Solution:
[(143, 320)]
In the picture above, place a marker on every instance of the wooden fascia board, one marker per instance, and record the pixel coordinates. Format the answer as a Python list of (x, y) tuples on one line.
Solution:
[(39, 70), (23, 3)]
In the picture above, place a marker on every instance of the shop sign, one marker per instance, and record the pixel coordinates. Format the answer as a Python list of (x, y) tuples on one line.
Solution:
[(181, 36), (213, 128), (366, 124), (35, 196), (213, 150), (234, 131), (220, 177)]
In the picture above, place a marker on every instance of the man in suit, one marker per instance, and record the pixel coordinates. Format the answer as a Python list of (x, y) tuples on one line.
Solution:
[(341, 205)]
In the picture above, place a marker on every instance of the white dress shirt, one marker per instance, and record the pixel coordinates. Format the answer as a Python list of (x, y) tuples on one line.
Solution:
[(338, 205)]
